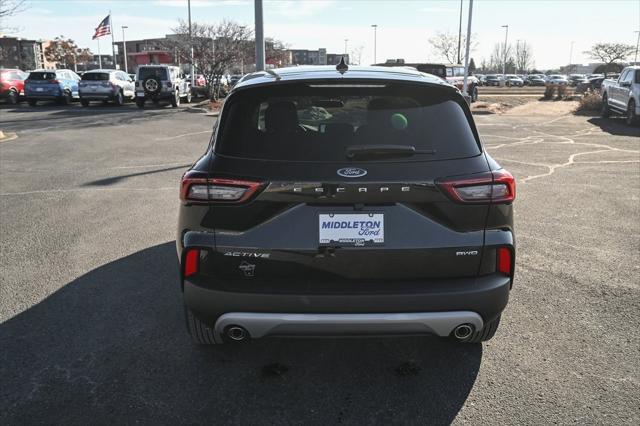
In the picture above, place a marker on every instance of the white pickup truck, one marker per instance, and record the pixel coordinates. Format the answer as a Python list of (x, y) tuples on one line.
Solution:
[(623, 96)]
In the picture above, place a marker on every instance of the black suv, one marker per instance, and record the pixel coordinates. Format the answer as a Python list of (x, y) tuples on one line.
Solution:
[(335, 201)]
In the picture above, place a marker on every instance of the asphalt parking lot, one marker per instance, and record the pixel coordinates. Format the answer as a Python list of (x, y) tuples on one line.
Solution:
[(91, 322)]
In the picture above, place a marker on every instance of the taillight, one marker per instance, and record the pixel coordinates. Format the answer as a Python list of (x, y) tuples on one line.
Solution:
[(53, 81), (503, 261), (496, 187), (191, 262), (196, 187)]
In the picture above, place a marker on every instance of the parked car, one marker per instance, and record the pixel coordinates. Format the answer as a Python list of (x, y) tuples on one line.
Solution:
[(591, 85), (623, 95), (575, 79), (333, 201), (481, 78), (534, 80), (200, 85), (106, 86), (234, 79), (493, 80), (12, 85), (132, 77), (455, 76), (558, 79), (513, 80), (161, 82), (45, 85)]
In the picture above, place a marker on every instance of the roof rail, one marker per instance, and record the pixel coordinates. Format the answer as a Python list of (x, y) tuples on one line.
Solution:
[(273, 74)]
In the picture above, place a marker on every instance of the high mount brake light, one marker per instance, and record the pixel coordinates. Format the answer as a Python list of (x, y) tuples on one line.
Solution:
[(195, 187), (496, 187)]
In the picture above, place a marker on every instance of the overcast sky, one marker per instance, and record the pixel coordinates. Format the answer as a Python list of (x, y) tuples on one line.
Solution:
[(404, 27)]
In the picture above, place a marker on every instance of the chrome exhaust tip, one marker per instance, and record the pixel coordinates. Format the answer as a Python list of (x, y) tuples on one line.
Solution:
[(236, 333), (463, 331)]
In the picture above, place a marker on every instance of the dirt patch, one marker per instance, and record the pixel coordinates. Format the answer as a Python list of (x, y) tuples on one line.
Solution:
[(545, 108), (499, 104)]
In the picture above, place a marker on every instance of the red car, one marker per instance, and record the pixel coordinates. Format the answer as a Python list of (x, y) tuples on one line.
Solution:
[(12, 84)]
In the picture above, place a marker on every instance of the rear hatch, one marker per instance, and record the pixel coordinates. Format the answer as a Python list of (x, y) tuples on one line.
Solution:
[(42, 83), (329, 182), (95, 83)]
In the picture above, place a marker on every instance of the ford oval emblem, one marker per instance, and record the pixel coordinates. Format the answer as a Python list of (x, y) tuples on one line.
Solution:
[(352, 172)]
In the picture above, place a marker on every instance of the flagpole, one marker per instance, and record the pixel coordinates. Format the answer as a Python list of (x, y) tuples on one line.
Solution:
[(113, 43), (99, 57)]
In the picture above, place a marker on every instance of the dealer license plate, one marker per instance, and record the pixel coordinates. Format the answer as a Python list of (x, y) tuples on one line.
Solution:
[(357, 229)]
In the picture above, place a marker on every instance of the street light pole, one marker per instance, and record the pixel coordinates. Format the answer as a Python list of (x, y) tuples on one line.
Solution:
[(259, 29), (124, 48), (637, 44), (466, 55), (190, 47), (571, 56), (346, 40), (460, 32), (375, 41), (504, 63)]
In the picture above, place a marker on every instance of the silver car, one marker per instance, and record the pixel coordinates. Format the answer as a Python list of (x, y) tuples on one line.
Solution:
[(105, 86)]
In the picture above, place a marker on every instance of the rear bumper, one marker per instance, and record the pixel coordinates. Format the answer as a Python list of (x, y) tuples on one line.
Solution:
[(96, 96), (268, 324), (486, 296)]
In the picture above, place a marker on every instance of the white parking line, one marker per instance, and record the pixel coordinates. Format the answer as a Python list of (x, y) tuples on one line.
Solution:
[(183, 135)]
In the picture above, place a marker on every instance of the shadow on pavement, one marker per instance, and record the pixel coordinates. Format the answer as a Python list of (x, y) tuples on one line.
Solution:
[(111, 347), (615, 126), (116, 179)]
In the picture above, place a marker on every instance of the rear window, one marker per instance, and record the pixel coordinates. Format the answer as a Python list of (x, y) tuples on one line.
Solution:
[(298, 122), (96, 76), (42, 75), (160, 73)]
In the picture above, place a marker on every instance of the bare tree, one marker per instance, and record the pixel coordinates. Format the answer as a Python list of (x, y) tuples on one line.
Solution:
[(216, 48), (355, 56), (9, 8), (497, 58), (610, 53), (524, 57), (446, 46)]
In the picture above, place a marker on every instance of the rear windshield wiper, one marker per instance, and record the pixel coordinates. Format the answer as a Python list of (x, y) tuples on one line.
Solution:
[(356, 151)]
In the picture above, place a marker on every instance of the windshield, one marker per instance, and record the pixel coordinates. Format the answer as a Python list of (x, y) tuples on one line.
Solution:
[(96, 76), (303, 123)]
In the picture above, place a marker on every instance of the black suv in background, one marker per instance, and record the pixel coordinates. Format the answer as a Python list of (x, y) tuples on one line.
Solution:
[(335, 201)]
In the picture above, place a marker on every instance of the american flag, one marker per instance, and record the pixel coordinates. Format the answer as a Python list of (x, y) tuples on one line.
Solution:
[(104, 28)]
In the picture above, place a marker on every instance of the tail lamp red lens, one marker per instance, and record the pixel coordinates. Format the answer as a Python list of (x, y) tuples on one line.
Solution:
[(496, 187), (197, 188), (191, 262), (503, 260)]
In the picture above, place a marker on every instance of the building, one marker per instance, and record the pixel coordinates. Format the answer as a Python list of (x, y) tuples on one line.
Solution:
[(147, 51), (23, 54), (316, 57)]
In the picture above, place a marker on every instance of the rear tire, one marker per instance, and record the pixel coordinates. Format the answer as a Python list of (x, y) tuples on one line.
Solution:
[(632, 118), (66, 98), (32, 102), (487, 332), (200, 332), (175, 101), (84, 102), (140, 103), (118, 99), (605, 112), (12, 97)]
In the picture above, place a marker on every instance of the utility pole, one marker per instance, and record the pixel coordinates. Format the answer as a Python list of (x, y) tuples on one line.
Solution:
[(190, 47), (375, 41), (460, 32), (124, 48), (466, 56), (637, 44), (571, 55), (504, 62), (259, 29)]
